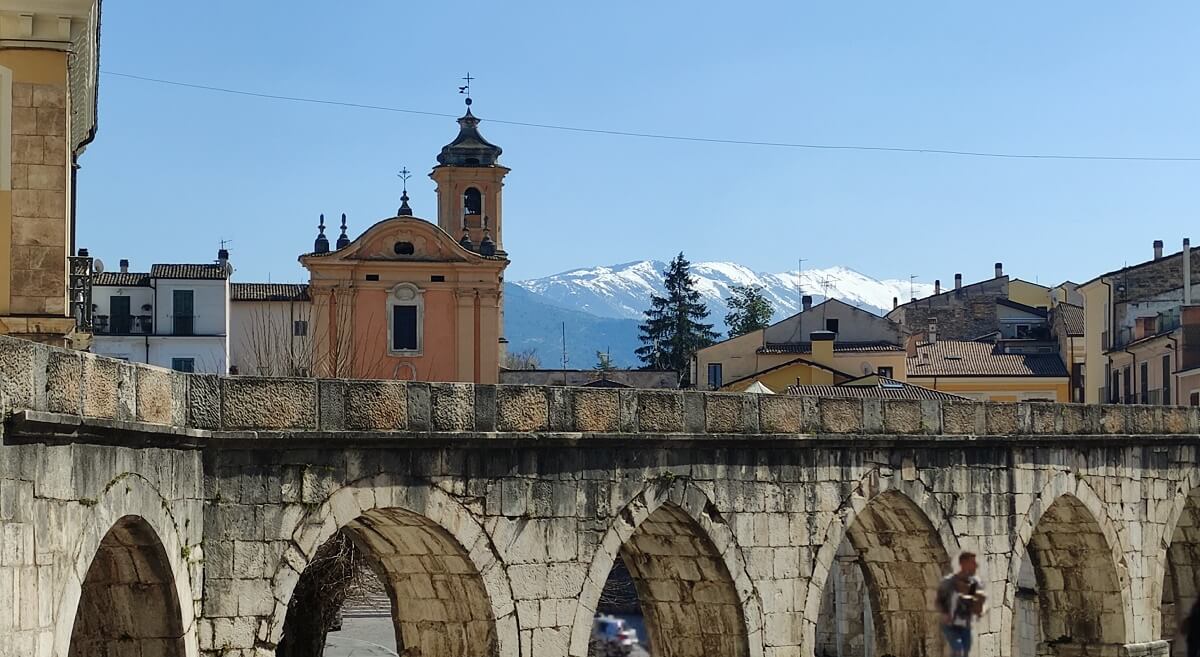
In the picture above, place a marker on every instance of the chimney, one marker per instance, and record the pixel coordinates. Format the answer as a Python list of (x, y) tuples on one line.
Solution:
[(822, 347), (910, 345), (937, 286), (932, 332), (806, 302), (223, 258), (124, 265), (1187, 271), (999, 269), (1158, 249), (895, 303), (958, 281)]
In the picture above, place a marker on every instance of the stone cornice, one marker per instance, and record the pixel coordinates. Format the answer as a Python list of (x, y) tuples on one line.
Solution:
[(44, 23)]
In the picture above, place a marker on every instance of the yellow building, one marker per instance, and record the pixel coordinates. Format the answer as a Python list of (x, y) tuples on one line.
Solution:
[(48, 68), (1030, 294), (988, 371), (1067, 326), (863, 343), (1134, 333), (821, 364)]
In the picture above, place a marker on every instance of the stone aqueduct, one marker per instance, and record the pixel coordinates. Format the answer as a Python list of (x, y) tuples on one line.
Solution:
[(146, 512)]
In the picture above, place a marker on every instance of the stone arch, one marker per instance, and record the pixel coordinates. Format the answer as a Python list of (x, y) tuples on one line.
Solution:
[(1175, 583), (129, 557), (1079, 565), (898, 508), (450, 593), (689, 573)]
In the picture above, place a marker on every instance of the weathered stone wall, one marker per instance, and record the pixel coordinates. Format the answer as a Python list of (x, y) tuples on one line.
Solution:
[(125, 521), (963, 314), (496, 512)]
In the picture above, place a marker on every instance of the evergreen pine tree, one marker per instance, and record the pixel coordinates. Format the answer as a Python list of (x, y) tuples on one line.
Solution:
[(673, 329), (749, 310)]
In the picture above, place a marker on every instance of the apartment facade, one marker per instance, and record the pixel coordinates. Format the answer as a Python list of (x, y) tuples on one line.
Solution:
[(1137, 323), (175, 315)]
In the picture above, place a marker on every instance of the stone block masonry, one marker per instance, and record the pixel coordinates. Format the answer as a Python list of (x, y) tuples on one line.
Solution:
[(194, 504)]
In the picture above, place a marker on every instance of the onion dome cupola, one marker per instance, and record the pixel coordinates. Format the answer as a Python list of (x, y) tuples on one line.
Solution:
[(321, 245), (343, 240), (469, 148)]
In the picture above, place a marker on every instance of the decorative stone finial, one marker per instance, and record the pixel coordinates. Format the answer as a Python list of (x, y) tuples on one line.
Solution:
[(343, 240), (321, 245)]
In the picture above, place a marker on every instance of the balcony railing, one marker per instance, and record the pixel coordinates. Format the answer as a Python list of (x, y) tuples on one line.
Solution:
[(123, 324)]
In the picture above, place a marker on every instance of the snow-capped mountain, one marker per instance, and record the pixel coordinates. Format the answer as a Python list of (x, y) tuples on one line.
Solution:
[(624, 290)]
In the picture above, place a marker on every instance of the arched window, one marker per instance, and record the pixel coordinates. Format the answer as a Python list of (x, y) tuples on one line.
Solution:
[(472, 201), (406, 310)]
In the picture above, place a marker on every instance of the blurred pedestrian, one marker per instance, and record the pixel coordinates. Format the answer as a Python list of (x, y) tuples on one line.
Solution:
[(960, 599)]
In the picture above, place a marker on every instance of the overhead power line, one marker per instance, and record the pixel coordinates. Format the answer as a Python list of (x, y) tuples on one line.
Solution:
[(651, 135)]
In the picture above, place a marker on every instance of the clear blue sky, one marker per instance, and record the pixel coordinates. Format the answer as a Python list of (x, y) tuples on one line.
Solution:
[(174, 170)]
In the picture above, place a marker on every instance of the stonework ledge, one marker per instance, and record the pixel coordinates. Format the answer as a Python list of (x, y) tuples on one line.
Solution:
[(61, 394)]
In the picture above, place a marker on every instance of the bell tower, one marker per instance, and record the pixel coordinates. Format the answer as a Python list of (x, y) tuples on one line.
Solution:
[(469, 181)]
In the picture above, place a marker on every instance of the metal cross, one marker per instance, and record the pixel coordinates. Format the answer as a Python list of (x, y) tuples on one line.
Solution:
[(404, 175), (466, 89)]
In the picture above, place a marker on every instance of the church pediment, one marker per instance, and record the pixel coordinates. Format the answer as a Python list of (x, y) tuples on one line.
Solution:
[(402, 239)]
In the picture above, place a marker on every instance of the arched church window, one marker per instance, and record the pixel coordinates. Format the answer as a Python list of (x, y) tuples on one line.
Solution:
[(406, 310), (472, 201), (403, 248)]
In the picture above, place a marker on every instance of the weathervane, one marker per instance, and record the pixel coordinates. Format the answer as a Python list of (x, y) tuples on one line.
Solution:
[(466, 88)]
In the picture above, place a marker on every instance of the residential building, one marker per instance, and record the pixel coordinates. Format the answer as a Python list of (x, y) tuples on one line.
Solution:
[(997, 370), (668, 379), (862, 343), (1067, 328), (48, 77), (1134, 330), (414, 299), (270, 329), (873, 386), (175, 315), (968, 312)]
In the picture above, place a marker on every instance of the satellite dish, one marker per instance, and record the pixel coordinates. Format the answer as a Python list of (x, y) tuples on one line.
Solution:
[(98, 266), (228, 268)]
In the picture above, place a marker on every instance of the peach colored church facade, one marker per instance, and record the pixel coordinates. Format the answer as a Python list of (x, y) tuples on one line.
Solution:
[(415, 300)]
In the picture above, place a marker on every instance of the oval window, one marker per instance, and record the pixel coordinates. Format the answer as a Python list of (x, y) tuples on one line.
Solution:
[(403, 248)]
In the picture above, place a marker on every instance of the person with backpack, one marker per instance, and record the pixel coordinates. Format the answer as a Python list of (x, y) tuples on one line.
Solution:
[(960, 599)]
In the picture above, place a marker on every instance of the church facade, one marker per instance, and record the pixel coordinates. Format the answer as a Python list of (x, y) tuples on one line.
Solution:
[(413, 299)]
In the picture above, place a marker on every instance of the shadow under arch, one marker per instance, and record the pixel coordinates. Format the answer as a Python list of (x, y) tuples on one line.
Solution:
[(897, 509), (127, 604), (129, 548), (900, 549), (449, 592), (1175, 584), (1077, 557), (689, 574)]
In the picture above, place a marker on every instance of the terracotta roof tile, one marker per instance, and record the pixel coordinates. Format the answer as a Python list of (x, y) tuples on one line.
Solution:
[(1072, 317), (885, 389), (961, 358), (211, 271), (121, 279), (844, 347), (268, 292)]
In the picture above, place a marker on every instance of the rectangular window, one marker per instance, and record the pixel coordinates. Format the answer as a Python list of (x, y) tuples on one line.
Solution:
[(1145, 385), (831, 324), (714, 376), (183, 312), (372, 277), (300, 328), (183, 364), (1022, 331), (120, 320), (1077, 382), (885, 372), (404, 328), (437, 278), (1167, 400), (1194, 400)]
